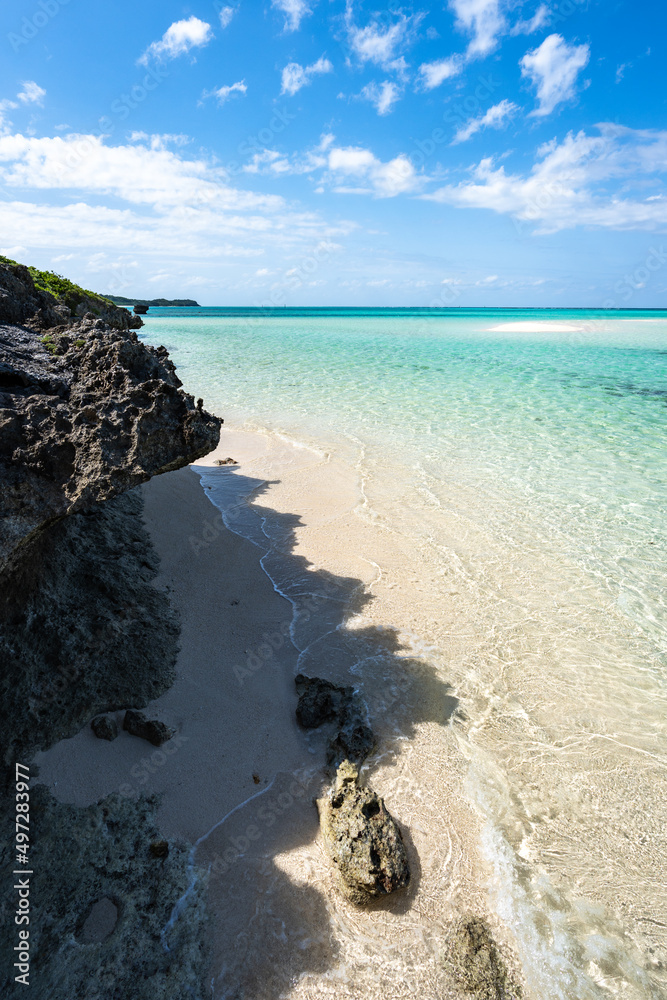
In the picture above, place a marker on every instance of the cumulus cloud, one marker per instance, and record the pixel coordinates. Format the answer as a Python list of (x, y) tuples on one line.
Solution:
[(294, 76), (383, 96), (483, 19), (553, 69), (345, 169), (583, 181), (269, 161), (223, 94), (179, 38), (486, 22), (225, 14), (31, 93), (165, 205), (294, 12), (434, 73), (496, 117), (357, 170)]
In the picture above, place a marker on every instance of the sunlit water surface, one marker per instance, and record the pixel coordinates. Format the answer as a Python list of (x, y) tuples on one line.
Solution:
[(513, 468)]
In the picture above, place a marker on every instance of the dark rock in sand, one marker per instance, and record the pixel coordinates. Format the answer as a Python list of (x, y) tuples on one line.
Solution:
[(354, 741), (362, 839), (476, 965), (321, 702), (225, 461), (105, 727), (136, 724)]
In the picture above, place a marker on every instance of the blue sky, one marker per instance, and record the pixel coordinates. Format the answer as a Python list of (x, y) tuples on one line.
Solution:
[(476, 152)]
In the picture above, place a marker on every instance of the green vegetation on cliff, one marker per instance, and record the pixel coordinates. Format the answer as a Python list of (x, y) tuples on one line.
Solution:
[(62, 289)]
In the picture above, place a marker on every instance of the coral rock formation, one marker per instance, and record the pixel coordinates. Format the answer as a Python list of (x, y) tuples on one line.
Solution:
[(362, 839)]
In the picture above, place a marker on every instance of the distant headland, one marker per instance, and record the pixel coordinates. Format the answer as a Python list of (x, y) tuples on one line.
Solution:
[(120, 300)]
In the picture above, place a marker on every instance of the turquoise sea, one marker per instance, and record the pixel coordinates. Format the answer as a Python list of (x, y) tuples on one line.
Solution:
[(517, 460)]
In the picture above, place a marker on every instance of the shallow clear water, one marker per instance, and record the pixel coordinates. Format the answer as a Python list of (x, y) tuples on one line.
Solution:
[(513, 467)]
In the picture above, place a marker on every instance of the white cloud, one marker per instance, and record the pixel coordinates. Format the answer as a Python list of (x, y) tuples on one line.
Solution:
[(384, 180), (553, 68), (223, 94), (178, 39), (541, 17), (483, 19), (496, 117), (380, 43), (341, 165), (160, 141), (166, 207), (584, 181), (269, 161), (31, 93), (225, 15), (294, 76), (435, 73), (294, 11), (383, 95), (5, 123)]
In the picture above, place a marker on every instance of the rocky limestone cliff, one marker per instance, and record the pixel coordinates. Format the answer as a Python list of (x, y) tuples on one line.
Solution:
[(86, 412), (23, 302)]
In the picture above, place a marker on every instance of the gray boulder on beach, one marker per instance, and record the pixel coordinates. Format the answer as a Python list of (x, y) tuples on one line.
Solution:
[(362, 839)]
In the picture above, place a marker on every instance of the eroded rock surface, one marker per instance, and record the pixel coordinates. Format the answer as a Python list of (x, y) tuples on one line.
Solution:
[(21, 302), (156, 732), (88, 862), (321, 702), (476, 964), (362, 839), (83, 629), (105, 727), (85, 416)]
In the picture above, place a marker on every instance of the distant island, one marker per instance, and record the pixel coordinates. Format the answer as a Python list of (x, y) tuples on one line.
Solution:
[(120, 300)]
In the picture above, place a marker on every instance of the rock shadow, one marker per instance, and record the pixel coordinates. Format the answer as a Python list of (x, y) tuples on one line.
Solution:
[(274, 926)]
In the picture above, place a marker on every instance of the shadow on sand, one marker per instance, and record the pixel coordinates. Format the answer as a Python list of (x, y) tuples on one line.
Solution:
[(273, 923)]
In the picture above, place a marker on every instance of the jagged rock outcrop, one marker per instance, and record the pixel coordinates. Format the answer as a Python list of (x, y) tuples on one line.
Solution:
[(321, 702), (23, 304), (86, 412), (362, 839)]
